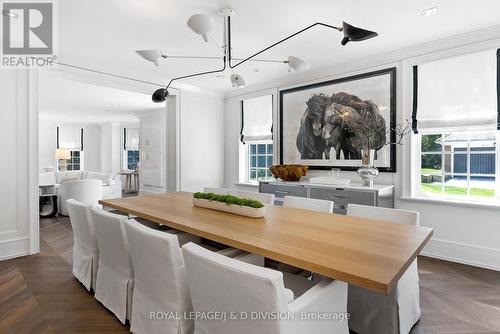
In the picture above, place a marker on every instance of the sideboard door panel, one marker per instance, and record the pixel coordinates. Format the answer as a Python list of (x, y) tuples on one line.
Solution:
[(341, 197), (281, 191)]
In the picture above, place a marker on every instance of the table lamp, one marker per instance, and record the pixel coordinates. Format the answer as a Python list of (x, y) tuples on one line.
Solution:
[(62, 154)]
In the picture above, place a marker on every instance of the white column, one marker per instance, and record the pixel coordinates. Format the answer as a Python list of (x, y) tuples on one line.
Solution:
[(19, 172)]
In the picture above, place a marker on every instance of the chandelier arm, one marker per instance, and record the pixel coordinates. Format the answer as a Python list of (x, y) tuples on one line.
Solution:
[(265, 60), (272, 45), (193, 57), (220, 58), (198, 74)]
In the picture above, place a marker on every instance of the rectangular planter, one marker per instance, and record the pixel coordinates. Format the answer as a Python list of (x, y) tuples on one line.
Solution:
[(236, 209)]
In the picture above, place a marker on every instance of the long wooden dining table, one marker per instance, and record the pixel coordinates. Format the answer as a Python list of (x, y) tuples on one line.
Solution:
[(367, 253)]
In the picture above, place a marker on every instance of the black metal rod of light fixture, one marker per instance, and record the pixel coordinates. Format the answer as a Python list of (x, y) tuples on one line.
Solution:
[(107, 74), (198, 74), (270, 46), (191, 57), (220, 58)]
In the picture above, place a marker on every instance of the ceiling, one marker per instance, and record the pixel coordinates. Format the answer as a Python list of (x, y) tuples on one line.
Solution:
[(103, 35), (69, 100)]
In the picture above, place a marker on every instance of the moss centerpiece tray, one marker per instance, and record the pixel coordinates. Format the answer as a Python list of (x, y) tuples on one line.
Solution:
[(231, 204)]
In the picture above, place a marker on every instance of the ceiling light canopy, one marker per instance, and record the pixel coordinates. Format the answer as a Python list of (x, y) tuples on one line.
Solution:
[(237, 81), (151, 55), (201, 24), (355, 34), (296, 64), (429, 12)]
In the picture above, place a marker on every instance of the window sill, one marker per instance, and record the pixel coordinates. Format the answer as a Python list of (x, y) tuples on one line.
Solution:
[(451, 202)]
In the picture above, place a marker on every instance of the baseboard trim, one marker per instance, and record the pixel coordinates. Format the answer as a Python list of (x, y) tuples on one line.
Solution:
[(149, 192), (12, 248), (472, 255)]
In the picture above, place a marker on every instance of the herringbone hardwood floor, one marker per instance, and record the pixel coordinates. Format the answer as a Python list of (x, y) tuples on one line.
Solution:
[(38, 294)]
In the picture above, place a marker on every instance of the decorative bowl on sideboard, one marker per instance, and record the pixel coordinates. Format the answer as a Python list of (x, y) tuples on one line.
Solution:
[(288, 172)]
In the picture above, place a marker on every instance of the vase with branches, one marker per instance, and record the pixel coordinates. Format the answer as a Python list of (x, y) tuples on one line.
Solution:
[(368, 134)]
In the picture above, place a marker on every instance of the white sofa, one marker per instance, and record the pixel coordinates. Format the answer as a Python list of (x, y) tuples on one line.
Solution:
[(111, 183)]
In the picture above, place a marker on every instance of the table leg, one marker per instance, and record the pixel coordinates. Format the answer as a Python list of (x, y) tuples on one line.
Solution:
[(127, 184)]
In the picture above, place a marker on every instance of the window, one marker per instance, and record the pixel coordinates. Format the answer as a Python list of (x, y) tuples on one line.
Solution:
[(456, 118), (256, 148), (130, 154), (132, 159), (459, 164), (260, 158), (75, 162)]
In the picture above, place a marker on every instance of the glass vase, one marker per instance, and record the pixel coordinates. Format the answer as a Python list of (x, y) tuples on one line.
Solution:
[(367, 172)]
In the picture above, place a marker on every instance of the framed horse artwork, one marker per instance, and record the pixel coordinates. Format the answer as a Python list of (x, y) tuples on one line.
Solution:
[(314, 121)]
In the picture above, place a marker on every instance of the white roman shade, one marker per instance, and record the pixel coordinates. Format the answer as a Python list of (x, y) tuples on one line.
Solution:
[(456, 94), (70, 138), (130, 138), (257, 119)]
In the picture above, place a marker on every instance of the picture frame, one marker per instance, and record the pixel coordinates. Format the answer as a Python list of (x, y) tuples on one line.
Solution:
[(302, 140)]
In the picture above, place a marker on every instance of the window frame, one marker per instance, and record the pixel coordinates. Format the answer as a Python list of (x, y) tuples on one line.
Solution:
[(123, 151), (248, 155), (241, 177), (125, 158), (410, 152), (417, 172), (80, 164)]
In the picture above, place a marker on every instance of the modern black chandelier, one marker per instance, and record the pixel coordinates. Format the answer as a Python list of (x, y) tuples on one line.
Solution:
[(203, 24)]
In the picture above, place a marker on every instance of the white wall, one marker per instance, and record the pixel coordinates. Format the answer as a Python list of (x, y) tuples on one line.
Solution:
[(190, 145), (47, 144), (202, 154), (110, 147), (18, 172), (467, 234), (92, 147)]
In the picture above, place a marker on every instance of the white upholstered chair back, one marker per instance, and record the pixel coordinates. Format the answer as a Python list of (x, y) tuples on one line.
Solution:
[(85, 250), (320, 205), (376, 313), (114, 284), (159, 282), (221, 284), (220, 191), (267, 199), (87, 191), (391, 215)]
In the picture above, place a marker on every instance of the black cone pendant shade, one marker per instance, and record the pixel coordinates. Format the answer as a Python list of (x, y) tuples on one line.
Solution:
[(355, 34), (160, 95)]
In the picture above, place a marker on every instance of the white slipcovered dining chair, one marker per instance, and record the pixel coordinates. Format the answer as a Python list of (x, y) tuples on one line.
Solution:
[(115, 277), (220, 191), (373, 312), (267, 199), (320, 205), (160, 280), (88, 191), (160, 283), (85, 250), (312, 204), (222, 284)]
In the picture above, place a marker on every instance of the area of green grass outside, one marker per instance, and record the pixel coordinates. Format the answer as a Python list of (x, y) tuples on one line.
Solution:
[(450, 190), (430, 171)]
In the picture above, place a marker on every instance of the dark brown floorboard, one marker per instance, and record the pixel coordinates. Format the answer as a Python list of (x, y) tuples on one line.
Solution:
[(38, 294)]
